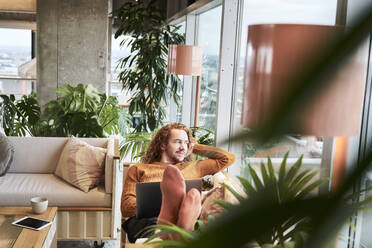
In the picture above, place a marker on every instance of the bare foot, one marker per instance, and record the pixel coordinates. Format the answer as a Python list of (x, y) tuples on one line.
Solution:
[(190, 210), (173, 190)]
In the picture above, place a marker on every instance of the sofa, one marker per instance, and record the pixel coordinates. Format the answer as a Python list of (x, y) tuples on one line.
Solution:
[(92, 215)]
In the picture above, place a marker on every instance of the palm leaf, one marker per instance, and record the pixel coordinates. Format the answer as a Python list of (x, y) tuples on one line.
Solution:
[(236, 194), (168, 243), (304, 181), (357, 193), (311, 187), (271, 169), (224, 204), (299, 177), (248, 188), (282, 168), (171, 229), (293, 170), (257, 182), (264, 174)]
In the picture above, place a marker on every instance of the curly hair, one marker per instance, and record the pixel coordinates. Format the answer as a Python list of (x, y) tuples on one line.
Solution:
[(154, 151)]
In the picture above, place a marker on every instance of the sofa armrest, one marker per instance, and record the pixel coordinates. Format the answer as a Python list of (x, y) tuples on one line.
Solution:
[(117, 187), (113, 154), (116, 149)]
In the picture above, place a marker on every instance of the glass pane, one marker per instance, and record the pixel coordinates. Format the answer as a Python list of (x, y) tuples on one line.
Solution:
[(366, 216), (175, 113), (15, 56), (209, 39), (281, 11), (119, 52), (317, 151)]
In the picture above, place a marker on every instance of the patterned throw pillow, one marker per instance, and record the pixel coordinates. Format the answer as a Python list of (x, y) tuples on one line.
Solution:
[(81, 164)]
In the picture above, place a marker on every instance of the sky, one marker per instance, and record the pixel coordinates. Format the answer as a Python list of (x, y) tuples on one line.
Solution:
[(15, 37)]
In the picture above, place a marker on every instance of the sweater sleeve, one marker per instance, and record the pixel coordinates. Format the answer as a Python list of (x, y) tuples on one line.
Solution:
[(218, 159), (128, 197)]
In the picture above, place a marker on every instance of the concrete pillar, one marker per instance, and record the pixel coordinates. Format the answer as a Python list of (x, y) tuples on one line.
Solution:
[(47, 68), (72, 45)]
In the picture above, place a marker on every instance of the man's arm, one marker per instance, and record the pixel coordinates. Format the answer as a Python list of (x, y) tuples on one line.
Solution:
[(128, 197), (218, 159)]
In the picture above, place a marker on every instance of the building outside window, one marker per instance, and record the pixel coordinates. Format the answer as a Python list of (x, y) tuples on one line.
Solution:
[(209, 31), (118, 52), (174, 113), (15, 54), (261, 12), (313, 148)]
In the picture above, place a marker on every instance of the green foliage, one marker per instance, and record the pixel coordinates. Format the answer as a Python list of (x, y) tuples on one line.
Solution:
[(108, 114), (288, 185), (79, 111), (185, 235), (144, 71), (204, 135), (22, 117), (292, 184), (124, 121), (135, 144), (74, 112)]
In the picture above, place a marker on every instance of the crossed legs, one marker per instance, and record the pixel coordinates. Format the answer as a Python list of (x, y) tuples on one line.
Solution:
[(178, 207)]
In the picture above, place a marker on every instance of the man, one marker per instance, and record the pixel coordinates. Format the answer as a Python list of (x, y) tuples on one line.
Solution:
[(169, 154)]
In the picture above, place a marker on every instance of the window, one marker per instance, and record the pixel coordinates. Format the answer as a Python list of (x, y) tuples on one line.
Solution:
[(174, 112), (209, 32), (316, 150), (117, 53), (267, 11), (15, 56)]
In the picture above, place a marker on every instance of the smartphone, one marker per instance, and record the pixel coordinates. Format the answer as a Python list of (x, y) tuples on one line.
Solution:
[(32, 223)]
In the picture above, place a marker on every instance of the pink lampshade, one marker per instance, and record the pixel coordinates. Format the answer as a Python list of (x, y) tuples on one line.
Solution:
[(274, 53), (184, 60)]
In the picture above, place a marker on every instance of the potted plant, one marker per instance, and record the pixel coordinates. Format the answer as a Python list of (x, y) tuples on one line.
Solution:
[(78, 111), (144, 71), (286, 185)]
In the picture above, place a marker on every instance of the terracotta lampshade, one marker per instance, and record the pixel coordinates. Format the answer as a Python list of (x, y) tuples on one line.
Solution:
[(277, 51), (184, 60)]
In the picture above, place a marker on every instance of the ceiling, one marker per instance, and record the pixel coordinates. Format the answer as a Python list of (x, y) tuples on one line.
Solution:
[(22, 13), (18, 14), (18, 5)]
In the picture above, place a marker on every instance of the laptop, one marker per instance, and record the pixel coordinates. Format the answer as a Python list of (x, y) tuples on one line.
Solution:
[(149, 197)]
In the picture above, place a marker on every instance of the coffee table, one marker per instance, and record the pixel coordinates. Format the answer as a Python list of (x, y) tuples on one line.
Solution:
[(18, 237)]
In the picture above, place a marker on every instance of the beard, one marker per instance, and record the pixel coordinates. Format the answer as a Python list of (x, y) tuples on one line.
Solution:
[(175, 158)]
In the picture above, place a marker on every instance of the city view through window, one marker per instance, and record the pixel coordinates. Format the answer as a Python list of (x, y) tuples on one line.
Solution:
[(15, 51)]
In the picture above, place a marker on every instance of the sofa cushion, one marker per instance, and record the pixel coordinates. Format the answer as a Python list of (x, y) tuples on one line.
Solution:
[(45, 152), (17, 189), (81, 164)]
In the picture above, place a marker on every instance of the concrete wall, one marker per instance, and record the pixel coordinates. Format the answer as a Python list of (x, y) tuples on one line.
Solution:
[(72, 45)]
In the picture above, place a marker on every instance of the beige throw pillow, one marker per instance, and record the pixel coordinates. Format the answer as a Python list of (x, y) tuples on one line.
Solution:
[(81, 164)]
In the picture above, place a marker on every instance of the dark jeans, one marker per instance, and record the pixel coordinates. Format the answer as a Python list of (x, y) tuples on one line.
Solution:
[(134, 227)]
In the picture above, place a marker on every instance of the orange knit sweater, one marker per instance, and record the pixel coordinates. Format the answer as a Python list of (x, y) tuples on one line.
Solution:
[(218, 159)]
